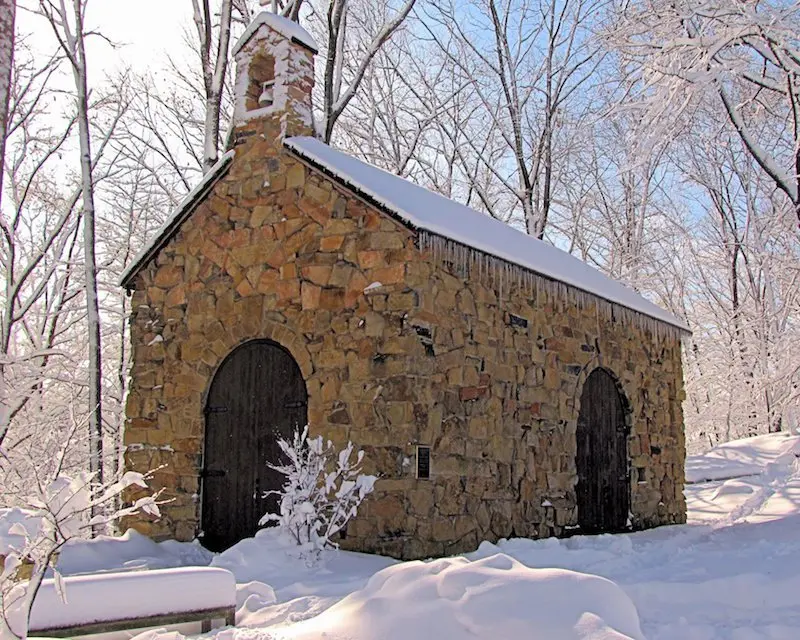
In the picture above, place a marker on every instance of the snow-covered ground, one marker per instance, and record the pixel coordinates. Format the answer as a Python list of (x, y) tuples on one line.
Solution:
[(732, 572), (749, 456)]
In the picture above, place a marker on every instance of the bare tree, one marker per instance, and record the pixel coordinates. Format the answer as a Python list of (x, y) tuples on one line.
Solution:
[(30, 254), (40, 246), (135, 205), (528, 61), (213, 51), (7, 33), (391, 121), (743, 55), (68, 28), (745, 266), (7, 15), (618, 203), (355, 33), (165, 132)]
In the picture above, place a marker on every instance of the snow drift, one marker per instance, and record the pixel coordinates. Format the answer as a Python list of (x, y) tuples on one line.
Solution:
[(745, 457), (492, 598), (130, 551)]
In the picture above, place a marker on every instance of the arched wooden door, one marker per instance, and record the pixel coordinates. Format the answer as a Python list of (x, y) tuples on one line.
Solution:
[(257, 396), (603, 491)]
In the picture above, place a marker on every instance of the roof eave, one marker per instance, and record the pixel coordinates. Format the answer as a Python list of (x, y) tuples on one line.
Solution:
[(395, 215), (176, 220)]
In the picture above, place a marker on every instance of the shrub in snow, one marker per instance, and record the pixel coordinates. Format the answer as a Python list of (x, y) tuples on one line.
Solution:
[(58, 510), (323, 490)]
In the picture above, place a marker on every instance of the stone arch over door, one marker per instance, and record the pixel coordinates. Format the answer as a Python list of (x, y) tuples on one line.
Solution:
[(603, 490), (257, 396)]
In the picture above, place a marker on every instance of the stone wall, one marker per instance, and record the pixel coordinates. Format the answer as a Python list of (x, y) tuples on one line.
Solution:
[(428, 357)]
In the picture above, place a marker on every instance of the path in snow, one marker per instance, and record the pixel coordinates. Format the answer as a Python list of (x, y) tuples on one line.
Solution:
[(692, 582)]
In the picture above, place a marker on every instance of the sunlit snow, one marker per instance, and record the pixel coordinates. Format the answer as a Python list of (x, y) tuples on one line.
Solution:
[(732, 572)]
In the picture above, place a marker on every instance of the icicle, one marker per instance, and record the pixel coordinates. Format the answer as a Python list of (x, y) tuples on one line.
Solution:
[(499, 268), (507, 279)]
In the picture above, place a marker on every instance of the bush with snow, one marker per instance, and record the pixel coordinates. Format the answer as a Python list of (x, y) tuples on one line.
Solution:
[(323, 490)]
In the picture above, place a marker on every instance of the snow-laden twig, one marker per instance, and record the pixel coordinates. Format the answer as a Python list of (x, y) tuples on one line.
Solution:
[(59, 510)]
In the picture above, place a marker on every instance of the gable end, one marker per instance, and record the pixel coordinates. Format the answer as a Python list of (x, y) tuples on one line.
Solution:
[(351, 188), (288, 28)]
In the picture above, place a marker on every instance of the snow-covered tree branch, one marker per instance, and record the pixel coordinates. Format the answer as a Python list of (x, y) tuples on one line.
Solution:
[(57, 508), (744, 55)]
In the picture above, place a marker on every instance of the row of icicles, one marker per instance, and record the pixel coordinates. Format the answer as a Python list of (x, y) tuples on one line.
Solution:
[(503, 276)]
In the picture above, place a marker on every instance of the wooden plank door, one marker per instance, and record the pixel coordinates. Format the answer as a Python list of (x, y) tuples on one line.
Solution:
[(257, 396), (603, 491)]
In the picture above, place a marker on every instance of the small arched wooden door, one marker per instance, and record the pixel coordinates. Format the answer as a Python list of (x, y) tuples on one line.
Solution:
[(603, 491), (258, 395)]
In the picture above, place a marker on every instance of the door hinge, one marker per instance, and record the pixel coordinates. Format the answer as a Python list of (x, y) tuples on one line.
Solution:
[(294, 404), (216, 409), (213, 473)]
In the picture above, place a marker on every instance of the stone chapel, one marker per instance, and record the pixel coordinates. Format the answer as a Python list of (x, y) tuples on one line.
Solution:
[(498, 386)]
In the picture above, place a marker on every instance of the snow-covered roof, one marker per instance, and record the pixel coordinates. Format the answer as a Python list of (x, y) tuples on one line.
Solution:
[(425, 210), (288, 28), (174, 221)]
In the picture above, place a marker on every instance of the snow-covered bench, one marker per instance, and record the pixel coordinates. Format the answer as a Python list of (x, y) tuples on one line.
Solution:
[(106, 602)]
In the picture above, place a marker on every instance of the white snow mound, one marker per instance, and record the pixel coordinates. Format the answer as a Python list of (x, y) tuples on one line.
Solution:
[(128, 552), (745, 457), (489, 599)]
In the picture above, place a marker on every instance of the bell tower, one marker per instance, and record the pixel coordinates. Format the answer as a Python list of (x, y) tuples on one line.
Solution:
[(274, 79)]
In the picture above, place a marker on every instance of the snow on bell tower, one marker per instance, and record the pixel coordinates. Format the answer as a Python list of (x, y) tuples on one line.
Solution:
[(274, 79)]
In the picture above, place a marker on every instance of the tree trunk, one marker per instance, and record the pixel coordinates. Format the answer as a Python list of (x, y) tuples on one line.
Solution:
[(211, 142), (90, 263), (7, 15), (214, 71)]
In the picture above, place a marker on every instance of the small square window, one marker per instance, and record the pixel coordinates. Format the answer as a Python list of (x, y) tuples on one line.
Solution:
[(423, 462)]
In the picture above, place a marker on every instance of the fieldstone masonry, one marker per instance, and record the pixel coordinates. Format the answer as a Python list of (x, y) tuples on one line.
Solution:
[(398, 348)]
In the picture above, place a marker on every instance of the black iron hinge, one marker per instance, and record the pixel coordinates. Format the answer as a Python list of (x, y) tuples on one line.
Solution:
[(216, 410)]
